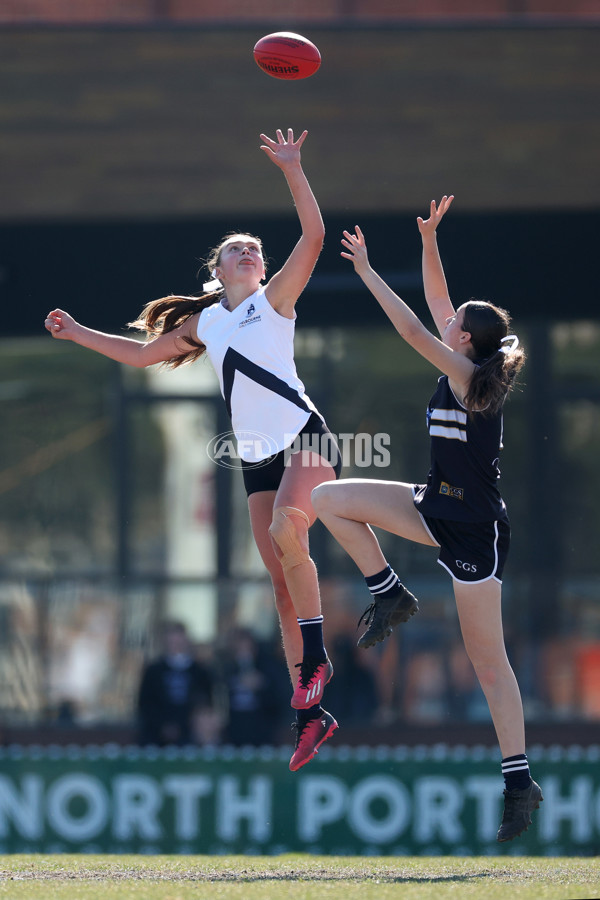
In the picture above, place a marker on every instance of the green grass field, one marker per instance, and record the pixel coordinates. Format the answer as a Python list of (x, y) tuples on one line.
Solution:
[(299, 877)]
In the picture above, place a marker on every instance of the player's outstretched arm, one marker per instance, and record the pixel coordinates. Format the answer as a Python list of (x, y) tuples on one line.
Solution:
[(404, 320), (406, 323), (434, 280), (129, 351), (285, 286)]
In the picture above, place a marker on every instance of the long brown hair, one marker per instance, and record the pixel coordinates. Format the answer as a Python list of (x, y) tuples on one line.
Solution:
[(498, 364), (164, 315)]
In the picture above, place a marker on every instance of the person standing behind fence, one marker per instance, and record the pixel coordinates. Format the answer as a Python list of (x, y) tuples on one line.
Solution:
[(459, 509), (174, 689), (247, 330), (251, 673)]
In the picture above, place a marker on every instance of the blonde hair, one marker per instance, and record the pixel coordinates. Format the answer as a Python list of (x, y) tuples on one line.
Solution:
[(167, 313)]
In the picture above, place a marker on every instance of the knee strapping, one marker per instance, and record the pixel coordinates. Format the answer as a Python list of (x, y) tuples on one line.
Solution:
[(283, 530)]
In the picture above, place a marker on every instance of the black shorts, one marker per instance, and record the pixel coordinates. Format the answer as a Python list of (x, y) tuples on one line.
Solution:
[(471, 551), (266, 474)]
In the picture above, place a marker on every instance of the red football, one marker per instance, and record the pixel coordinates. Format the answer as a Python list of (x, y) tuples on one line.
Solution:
[(287, 55)]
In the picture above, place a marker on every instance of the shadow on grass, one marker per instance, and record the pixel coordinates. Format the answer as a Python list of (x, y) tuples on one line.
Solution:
[(246, 877)]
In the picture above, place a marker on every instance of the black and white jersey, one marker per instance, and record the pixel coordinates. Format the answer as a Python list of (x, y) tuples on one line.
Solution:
[(252, 351), (462, 484)]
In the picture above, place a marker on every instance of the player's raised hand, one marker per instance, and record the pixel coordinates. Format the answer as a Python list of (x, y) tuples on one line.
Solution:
[(436, 214), (357, 249), (284, 153), (61, 325)]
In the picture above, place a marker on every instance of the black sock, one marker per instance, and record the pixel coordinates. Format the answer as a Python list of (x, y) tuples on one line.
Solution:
[(384, 584), (312, 637), (306, 715), (515, 770)]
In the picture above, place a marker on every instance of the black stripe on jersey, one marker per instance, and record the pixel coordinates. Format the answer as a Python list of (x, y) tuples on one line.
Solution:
[(234, 362), (447, 423)]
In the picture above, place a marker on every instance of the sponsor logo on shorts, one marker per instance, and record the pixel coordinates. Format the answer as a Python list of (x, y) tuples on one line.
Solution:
[(466, 566)]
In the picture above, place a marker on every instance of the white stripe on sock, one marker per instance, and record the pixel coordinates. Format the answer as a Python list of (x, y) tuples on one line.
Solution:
[(315, 621), (516, 766), (384, 585)]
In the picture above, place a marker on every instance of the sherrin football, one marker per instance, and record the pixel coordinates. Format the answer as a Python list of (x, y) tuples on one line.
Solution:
[(287, 55)]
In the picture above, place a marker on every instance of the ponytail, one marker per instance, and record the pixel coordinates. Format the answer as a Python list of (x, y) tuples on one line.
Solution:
[(161, 316), (498, 363), (492, 381)]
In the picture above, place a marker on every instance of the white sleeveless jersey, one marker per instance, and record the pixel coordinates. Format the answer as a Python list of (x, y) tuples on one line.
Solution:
[(252, 351)]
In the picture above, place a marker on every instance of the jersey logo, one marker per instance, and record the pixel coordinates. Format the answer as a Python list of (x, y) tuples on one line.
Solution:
[(449, 491), (234, 362), (250, 318)]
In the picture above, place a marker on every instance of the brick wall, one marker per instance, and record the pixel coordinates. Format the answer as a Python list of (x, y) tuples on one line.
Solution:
[(145, 122), (85, 12)]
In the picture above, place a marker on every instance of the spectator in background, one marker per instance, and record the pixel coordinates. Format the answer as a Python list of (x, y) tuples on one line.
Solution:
[(173, 689), (252, 675), (355, 687)]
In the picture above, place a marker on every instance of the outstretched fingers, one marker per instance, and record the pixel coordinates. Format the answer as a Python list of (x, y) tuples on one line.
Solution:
[(290, 138), (350, 241), (300, 140), (281, 141), (357, 239), (355, 244), (439, 210), (436, 214), (445, 204), (268, 143)]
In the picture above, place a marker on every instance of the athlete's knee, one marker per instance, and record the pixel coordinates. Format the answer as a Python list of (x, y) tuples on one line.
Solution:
[(322, 497), (289, 532), (490, 672), (487, 675)]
